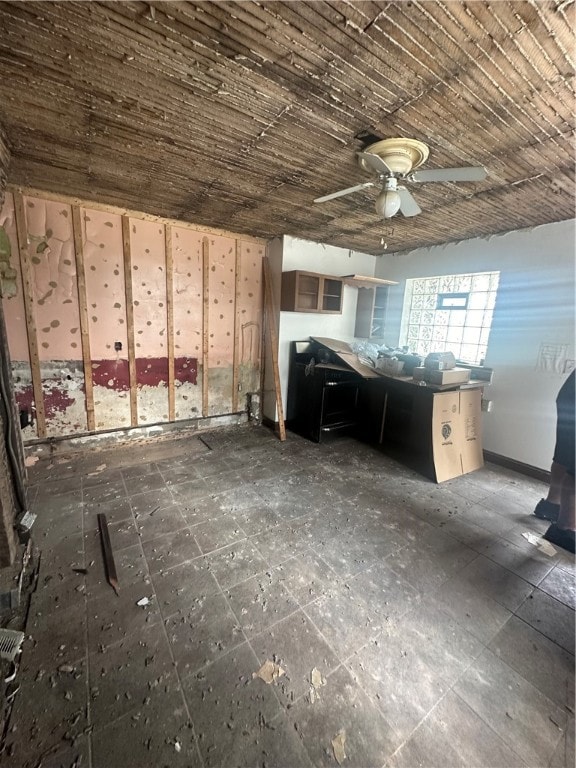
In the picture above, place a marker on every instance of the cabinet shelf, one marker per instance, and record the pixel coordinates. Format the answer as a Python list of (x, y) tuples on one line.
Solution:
[(371, 312)]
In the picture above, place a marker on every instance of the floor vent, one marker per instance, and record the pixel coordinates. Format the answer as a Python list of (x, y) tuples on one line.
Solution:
[(10, 642)]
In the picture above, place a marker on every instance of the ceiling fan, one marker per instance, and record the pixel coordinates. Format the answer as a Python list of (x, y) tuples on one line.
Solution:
[(395, 160)]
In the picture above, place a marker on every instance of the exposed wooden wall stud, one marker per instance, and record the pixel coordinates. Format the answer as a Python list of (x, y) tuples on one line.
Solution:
[(130, 320), (236, 363), (205, 323), (170, 320), (83, 309)]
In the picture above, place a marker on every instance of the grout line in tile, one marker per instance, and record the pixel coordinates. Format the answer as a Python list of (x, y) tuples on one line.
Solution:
[(174, 665), (86, 655), (292, 555), (515, 614)]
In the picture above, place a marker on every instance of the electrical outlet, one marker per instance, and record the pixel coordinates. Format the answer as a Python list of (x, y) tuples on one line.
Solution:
[(486, 405)]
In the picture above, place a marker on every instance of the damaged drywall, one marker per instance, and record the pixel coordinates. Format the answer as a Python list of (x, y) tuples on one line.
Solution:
[(221, 317), (106, 310), (51, 259), (148, 275), (187, 288), (85, 331), (7, 273)]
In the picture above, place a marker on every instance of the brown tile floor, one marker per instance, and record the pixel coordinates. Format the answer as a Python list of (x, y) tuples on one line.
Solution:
[(443, 637)]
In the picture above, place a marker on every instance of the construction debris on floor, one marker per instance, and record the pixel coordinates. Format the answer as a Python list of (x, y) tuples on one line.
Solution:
[(290, 604)]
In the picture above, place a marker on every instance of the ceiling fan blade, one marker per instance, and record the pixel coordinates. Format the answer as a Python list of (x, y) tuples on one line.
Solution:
[(408, 206), (469, 173), (375, 162), (343, 192)]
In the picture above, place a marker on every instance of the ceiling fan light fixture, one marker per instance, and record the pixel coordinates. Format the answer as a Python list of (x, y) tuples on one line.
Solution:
[(388, 203)]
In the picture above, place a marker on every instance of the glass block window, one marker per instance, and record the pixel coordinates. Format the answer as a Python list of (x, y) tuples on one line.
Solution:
[(451, 313)]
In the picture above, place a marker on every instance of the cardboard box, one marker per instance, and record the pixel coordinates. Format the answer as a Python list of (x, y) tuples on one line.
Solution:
[(456, 433), (452, 376), (389, 366), (419, 373), (471, 418)]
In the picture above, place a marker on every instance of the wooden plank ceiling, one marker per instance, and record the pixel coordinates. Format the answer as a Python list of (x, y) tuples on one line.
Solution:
[(236, 115)]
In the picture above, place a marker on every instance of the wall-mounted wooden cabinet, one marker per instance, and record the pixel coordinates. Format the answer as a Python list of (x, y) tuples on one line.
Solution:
[(311, 292), (371, 312)]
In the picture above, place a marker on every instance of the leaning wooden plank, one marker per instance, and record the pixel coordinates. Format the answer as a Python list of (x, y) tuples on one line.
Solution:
[(29, 305), (271, 317), (109, 563)]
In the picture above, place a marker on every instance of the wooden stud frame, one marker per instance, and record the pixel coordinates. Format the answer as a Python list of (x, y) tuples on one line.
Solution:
[(130, 319), (235, 364), (170, 320), (83, 311), (26, 268), (128, 212), (78, 208), (205, 322)]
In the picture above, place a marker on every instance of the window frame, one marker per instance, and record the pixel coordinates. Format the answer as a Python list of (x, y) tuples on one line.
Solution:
[(441, 297), (463, 331)]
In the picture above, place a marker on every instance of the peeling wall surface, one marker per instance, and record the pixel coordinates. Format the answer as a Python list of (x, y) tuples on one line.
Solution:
[(73, 297)]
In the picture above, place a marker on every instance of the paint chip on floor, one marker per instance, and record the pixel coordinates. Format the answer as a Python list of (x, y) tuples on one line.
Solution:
[(338, 743), (269, 671), (543, 545)]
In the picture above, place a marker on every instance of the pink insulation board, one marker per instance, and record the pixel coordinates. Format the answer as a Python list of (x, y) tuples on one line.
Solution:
[(249, 313), (14, 312), (15, 319), (187, 311), (56, 313), (221, 289), (148, 260), (106, 304), (57, 317)]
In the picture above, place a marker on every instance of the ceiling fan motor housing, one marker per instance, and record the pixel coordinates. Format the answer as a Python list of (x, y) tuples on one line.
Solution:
[(400, 155)]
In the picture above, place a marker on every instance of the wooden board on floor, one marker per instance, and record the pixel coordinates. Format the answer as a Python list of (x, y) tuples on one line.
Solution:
[(270, 308)]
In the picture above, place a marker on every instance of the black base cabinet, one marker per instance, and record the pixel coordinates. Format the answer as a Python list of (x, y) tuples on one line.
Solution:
[(436, 431), (323, 396), (397, 418)]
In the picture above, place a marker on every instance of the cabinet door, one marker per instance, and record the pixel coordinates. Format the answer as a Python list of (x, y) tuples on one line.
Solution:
[(307, 292), (331, 295)]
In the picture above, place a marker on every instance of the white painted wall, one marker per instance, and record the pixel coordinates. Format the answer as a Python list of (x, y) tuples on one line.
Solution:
[(535, 305), (292, 253)]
